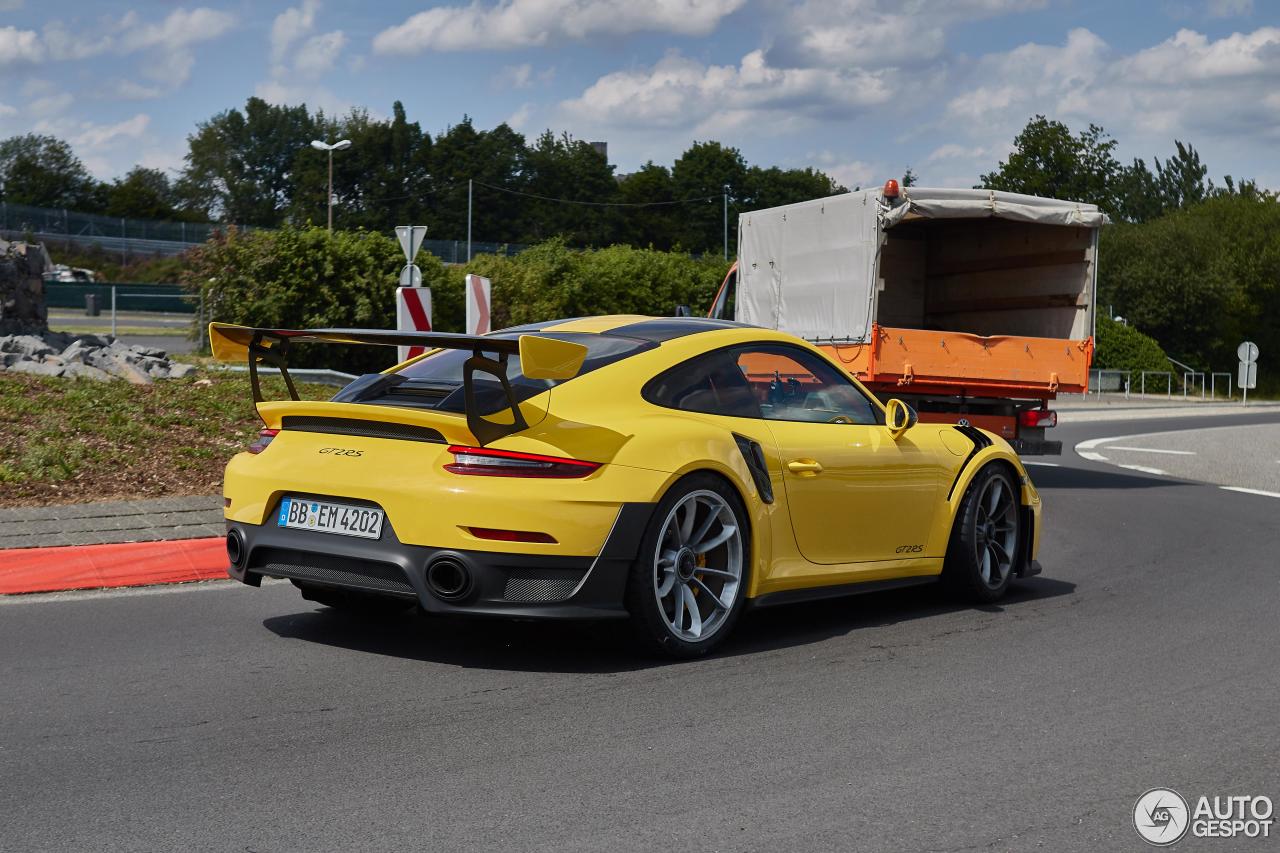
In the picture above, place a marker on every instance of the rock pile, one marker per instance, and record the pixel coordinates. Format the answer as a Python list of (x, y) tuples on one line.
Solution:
[(87, 357), (22, 306)]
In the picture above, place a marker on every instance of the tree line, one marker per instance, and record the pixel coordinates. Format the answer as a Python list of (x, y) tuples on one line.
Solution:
[(1194, 264), (256, 167)]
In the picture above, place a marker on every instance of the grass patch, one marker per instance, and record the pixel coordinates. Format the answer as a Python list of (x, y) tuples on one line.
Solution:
[(64, 441), (121, 331)]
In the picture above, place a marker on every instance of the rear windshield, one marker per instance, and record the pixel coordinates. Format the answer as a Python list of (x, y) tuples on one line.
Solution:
[(435, 382)]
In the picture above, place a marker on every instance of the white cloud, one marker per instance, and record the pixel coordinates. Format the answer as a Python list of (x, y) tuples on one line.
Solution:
[(1229, 8), (179, 29), (19, 46), (6, 110), (679, 92), (520, 118), (277, 92), (533, 23), (319, 54), (290, 25), (877, 33), (92, 135), (522, 76), (50, 104)]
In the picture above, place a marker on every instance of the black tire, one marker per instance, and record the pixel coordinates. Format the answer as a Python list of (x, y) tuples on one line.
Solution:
[(651, 619), (980, 537), (354, 603)]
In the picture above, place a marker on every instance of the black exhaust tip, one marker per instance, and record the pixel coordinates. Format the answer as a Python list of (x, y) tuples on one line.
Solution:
[(448, 579), (235, 548)]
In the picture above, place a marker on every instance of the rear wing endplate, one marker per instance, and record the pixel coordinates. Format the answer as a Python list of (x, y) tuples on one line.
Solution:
[(540, 358)]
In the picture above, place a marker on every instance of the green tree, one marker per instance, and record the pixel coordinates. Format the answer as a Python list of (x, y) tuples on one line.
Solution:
[(703, 171), (142, 194), (240, 166), (43, 171), (1200, 279), (772, 187), (494, 158), (1048, 161), (655, 224), (566, 168)]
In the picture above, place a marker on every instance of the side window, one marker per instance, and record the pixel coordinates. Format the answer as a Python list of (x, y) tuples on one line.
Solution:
[(789, 384), (711, 383)]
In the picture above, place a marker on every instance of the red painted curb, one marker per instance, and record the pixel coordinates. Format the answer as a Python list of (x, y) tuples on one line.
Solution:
[(97, 566)]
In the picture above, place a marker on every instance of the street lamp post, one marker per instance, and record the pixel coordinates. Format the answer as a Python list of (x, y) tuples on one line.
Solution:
[(726, 222), (337, 146)]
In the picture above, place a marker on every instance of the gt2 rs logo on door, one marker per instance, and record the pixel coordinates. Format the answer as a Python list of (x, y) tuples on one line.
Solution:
[(908, 549), (340, 451)]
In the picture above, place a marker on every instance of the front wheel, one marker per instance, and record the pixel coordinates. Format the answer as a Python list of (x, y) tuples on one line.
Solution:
[(985, 538), (688, 584)]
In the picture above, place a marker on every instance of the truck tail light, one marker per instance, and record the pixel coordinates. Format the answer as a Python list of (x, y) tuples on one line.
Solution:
[(264, 438), (1038, 418), (488, 462)]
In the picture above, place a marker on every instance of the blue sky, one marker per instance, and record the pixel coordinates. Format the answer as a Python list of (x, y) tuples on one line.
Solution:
[(859, 88)]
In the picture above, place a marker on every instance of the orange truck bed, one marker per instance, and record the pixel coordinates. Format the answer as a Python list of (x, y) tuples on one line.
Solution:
[(917, 361)]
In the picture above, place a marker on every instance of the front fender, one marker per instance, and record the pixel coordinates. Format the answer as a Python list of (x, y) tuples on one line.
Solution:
[(997, 451)]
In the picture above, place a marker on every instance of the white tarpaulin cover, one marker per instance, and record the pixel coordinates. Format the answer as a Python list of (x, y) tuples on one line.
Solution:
[(810, 268)]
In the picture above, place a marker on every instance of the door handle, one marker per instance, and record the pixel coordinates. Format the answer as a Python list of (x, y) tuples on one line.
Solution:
[(804, 467)]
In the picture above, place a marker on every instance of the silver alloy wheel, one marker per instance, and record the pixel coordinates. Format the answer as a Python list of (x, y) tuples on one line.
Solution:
[(698, 565), (995, 531)]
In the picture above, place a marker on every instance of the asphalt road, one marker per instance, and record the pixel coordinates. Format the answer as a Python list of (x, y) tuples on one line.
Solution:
[(218, 717)]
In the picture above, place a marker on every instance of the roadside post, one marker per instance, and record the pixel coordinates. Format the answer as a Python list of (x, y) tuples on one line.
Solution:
[(478, 290), (413, 301), (1248, 376)]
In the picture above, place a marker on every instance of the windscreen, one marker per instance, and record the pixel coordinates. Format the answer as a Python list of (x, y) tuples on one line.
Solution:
[(435, 382)]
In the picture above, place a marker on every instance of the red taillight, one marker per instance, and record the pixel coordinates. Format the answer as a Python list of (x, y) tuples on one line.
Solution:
[(264, 438), (487, 461), (1038, 418), (511, 535)]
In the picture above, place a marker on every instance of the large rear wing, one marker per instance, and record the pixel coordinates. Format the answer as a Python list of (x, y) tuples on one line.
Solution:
[(540, 358)]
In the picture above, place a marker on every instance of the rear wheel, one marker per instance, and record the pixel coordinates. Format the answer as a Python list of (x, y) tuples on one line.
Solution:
[(688, 584), (984, 541)]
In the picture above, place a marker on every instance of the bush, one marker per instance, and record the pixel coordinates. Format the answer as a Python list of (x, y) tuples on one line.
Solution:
[(550, 281), (1121, 347), (298, 278), (303, 277)]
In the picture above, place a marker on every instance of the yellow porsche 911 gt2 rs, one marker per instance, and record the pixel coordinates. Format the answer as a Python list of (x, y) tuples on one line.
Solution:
[(672, 471)]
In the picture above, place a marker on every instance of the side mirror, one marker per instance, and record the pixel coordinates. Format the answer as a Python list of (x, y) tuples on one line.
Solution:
[(899, 417), (549, 358)]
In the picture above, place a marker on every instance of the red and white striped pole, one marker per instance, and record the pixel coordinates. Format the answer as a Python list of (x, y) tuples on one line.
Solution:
[(478, 289)]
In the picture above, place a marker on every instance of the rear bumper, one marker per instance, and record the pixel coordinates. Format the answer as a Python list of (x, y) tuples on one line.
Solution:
[(1035, 447), (536, 586)]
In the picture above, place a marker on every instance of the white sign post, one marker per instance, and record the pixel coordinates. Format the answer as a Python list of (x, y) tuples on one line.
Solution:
[(478, 289), (1248, 375), (413, 301)]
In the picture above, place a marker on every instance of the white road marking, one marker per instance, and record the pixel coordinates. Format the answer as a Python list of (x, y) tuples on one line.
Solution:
[(1144, 469), (1093, 457), (1042, 464), (1153, 450), (1251, 491)]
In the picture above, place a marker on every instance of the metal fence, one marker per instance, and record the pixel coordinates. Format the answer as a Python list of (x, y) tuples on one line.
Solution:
[(154, 237), (128, 296), (1160, 383)]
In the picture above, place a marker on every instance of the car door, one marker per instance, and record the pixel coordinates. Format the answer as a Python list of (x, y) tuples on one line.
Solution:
[(854, 494)]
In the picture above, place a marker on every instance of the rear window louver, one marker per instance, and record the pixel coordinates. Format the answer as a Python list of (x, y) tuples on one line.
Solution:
[(355, 426)]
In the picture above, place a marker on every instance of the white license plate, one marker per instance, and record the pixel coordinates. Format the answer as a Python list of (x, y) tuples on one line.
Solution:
[(328, 517)]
